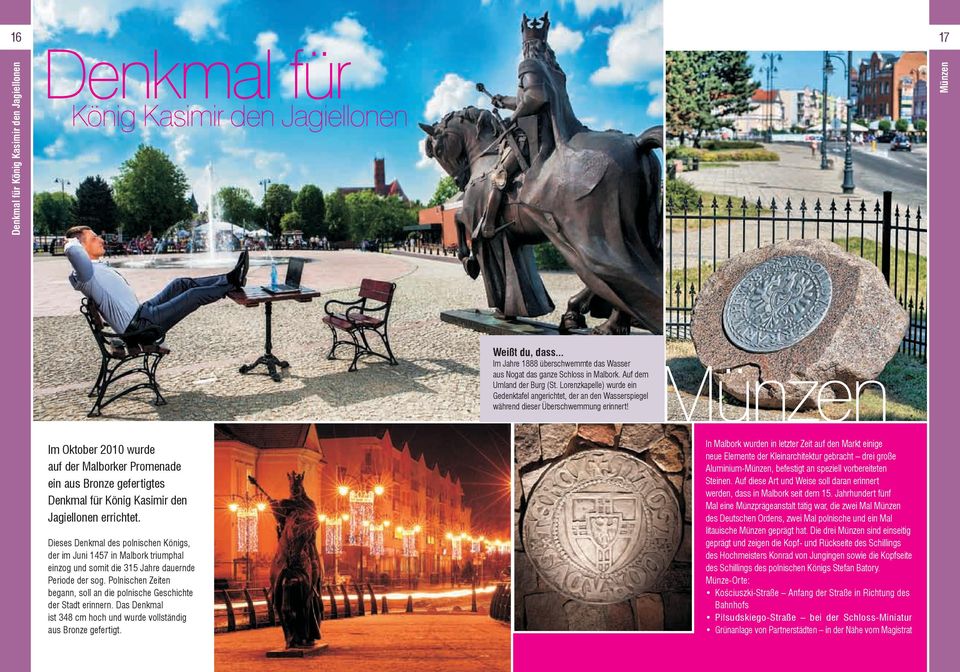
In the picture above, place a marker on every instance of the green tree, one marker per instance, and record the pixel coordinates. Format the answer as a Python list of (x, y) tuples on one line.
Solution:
[(902, 125), (192, 204), (52, 213), (921, 125), (337, 216), (150, 192), (373, 217), (277, 202), (292, 221), (446, 189), (309, 205), (884, 125), (705, 89), (237, 205), (95, 206)]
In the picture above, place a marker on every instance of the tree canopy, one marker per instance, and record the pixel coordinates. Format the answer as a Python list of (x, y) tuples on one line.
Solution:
[(310, 206), (95, 206), (446, 189), (237, 206), (150, 192), (277, 202), (52, 213), (705, 89)]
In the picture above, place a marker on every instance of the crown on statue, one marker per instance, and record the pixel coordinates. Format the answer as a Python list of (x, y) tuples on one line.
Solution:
[(295, 478), (535, 29)]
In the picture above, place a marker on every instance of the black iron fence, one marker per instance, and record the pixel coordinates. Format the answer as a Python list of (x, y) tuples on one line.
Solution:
[(701, 235)]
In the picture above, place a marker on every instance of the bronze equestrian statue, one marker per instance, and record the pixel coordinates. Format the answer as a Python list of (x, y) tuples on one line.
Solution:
[(541, 175), (296, 574)]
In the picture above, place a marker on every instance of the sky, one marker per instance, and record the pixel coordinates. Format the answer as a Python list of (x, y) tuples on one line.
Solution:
[(478, 453), (420, 58), (798, 69)]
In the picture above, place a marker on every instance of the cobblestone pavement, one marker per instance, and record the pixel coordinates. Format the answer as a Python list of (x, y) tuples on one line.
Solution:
[(396, 642), (438, 374), (796, 176)]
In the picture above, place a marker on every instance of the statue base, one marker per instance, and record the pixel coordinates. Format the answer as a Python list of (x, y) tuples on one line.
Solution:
[(486, 322), (314, 650)]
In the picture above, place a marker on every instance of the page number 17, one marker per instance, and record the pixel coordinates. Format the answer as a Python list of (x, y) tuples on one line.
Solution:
[(944, 35)]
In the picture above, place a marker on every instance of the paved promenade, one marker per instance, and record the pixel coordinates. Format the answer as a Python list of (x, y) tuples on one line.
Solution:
[(397, 642), (438, 374)]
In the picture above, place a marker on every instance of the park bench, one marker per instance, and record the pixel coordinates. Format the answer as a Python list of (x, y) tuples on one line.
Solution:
[(116, 353), (369, 313)]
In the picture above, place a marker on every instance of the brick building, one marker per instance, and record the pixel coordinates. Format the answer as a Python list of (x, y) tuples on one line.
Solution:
[(380, 186), (886, 83), (391, 507)]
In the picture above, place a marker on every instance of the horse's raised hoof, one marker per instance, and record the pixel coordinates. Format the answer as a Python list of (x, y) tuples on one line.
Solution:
[(572, 320), (612, 328), (472, 266)]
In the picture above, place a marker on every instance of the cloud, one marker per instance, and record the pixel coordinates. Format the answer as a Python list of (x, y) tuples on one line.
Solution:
[(347, 41), (452, 93), (563, 40), (635, 49), (268, 40), (198, 19), (92, 17), (587, 7), (56, 147), (655, 89)]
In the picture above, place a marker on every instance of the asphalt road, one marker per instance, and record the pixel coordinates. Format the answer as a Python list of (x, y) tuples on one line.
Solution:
[(903, 173)]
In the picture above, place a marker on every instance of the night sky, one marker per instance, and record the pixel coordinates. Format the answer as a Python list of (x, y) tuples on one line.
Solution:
[(478, 453)]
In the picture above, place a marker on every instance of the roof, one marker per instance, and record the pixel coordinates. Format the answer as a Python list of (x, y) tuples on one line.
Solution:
[(761, 96), (264, 436)]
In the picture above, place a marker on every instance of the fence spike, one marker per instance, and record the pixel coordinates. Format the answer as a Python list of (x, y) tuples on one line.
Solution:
[(863, 206), (713, 204), (743, 204), (684, 203), (693, 290), (876, 207), (758, 206), (847, 209), (773, 203), (833, 205), (788, 207), (817, 208), (729, 205), (803, 205), (679, 292), (699, 202)]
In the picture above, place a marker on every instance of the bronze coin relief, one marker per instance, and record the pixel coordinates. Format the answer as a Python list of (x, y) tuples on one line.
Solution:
[(601, 526)]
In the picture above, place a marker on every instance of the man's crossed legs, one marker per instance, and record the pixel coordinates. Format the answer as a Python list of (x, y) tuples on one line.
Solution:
[(183, 296)]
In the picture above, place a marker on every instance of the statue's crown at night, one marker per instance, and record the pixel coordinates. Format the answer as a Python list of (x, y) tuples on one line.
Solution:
[(535, 29), (295, 478)]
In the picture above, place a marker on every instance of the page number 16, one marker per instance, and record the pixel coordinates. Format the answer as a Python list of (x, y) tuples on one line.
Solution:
[(16, 36)]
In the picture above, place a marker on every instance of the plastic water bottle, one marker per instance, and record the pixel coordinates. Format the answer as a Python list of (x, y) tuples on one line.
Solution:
[(273, 275)]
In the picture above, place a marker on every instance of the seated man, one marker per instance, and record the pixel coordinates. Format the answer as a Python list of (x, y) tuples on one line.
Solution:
[(141, 322)]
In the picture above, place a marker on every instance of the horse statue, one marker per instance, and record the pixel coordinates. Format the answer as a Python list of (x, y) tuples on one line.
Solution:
[(543, 176), (296, 574)]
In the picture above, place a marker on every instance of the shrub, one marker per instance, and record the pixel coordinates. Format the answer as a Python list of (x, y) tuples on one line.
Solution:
[(707, 156), (717, 145), (678, 189)]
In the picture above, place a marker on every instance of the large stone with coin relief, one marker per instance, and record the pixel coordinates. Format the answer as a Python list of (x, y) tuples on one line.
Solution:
[(800, 310), (601, 526)]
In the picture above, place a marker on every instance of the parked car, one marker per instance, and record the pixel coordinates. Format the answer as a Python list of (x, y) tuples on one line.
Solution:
[(901, 143)]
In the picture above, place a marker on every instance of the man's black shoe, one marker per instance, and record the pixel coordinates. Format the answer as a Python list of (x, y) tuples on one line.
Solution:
[(238, 276)]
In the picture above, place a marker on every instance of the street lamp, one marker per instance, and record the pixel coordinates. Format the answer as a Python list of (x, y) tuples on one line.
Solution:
[(247, 509), (263, 183), (771, 58), (848, 186), (409, 536)]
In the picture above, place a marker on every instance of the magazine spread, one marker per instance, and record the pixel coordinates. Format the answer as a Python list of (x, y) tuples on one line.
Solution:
[(479, 336)]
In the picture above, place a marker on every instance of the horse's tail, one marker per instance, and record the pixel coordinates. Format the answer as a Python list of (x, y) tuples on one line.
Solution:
[(651, 139)]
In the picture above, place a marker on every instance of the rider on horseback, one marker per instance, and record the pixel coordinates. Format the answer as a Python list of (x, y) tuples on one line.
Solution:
[(542, 117)]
